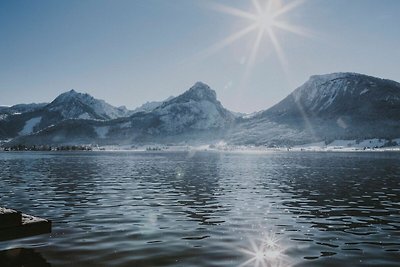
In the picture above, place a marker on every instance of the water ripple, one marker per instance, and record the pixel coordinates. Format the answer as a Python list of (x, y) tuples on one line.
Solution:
[(206, 209)]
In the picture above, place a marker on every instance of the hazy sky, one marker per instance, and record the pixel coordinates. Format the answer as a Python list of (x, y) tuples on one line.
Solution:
[(130, 52)]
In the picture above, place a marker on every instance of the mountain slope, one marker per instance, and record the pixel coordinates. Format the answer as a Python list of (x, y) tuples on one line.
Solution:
[(192, 116), (150, 106), (340, 94), (196, 109), (6, 112), (72, 104), (21, 108), (69, 105), (328, 107)]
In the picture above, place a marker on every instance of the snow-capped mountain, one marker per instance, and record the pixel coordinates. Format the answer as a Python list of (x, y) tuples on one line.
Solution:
[(150, 106), (5, 111), (340, 94), (329, 107), (339, 106), (72, 105), (196, 109), (194, 115), (21, 108), (69, 105)]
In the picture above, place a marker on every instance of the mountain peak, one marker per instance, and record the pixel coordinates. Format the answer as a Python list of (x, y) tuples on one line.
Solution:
[(73, 104), (195, 109), (340, 94), (345, 75), (71, 93), (200, 84), (320, 85), (332, 76), (201, 91)]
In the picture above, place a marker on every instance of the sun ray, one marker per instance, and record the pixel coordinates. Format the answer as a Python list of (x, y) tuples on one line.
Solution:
[(307, 122), (269, 5), (230, 39), (266, 18), (247, 263), (257, 6), (288, 7), (233, 11), (254, 51), (279, 51), (264, 252), (293, 29), (256, 46)]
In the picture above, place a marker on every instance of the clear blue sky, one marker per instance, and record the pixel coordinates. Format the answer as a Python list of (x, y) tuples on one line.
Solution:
[(129, 52)]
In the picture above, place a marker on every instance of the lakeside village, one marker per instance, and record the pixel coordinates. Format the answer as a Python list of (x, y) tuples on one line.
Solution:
[(47, 148), (87, 147), (74, 148), (337, 145)]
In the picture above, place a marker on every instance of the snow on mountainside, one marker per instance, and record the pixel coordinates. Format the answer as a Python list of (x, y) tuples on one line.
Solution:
[(338, 106), (20, 108), (330, 107), (194, 115), (320, 92), (77, 105), (339, 93), (196, 109), (69, 105), (150, 106), (30, 125)]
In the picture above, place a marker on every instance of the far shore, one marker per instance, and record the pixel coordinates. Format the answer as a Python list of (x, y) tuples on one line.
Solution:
[(222, 147)]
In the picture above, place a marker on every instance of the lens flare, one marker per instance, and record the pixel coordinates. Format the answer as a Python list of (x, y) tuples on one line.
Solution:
[(266, 18), (265, 252)]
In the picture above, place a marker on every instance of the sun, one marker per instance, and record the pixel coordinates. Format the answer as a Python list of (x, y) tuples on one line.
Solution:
[(266, 18)]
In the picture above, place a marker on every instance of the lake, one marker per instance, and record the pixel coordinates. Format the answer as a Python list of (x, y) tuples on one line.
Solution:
[(205, 208)]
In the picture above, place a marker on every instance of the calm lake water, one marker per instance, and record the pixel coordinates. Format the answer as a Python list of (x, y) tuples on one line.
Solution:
[(205, 209)]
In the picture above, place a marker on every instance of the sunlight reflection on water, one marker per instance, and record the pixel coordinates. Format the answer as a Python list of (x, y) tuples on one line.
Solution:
[(208, 209), (266, 251)]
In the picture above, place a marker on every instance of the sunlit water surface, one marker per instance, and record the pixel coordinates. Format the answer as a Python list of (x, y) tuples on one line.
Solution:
[(206, 209)]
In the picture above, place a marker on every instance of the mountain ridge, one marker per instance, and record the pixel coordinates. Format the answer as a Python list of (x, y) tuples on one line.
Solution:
[(68, 105), (329, 107), (326, 107), (195, 112)]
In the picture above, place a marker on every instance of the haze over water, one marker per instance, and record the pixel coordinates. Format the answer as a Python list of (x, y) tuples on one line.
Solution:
[(208, 209)]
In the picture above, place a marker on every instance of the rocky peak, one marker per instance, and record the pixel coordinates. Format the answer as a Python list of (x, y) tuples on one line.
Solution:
[(339, 94), (200, 91), (71, 96)]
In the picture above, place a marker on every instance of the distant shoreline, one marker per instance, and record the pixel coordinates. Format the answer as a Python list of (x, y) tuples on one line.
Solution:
[(207, 148)]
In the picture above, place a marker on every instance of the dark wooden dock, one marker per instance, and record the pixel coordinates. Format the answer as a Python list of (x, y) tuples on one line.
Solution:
[(14, 225)]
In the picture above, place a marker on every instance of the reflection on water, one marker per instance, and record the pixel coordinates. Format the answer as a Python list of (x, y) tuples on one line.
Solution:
[(208, 209), (21, 257)]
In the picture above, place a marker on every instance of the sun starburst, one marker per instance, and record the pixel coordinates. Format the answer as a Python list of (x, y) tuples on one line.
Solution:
[(266, 252), (266, 18)]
